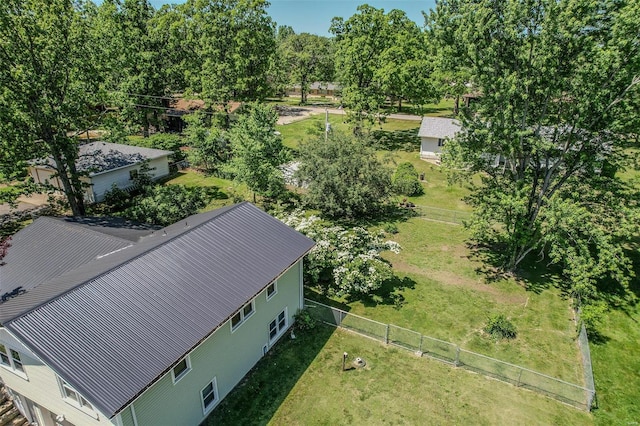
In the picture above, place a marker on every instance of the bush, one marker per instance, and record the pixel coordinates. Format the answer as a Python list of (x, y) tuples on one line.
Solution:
[(303, 320), (405, 181), (117, 199), (499, 327), (165, 205)]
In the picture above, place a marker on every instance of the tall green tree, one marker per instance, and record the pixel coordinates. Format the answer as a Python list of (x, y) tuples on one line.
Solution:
[(560, 81), (258, 152), (308, 58), (48, 87), (133, 60), (380, 56), (343, 177), (234, 41)]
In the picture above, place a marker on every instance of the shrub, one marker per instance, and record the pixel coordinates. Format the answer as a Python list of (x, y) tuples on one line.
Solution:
[(499, 327), (117, 199), (344, 261), (405, 181), (165, 205), (303, 320)]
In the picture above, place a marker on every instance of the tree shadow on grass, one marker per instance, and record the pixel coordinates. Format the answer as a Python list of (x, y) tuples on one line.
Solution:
[(397, 140), (389, 294), (261, 392), (532, 274)]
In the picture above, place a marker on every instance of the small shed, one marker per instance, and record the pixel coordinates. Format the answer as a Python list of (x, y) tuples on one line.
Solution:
[(434, 133)]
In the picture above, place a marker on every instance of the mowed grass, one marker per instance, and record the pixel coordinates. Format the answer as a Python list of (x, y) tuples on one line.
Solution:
[(312, 128), (440, 292), (300, 382), (616, 367)]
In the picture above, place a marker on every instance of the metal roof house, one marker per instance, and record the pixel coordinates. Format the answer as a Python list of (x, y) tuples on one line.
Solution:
[(433, 134), (106, 164), (106, 322)]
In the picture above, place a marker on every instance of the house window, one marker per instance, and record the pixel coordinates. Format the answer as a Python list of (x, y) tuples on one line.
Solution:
[(240, 316), (272, 289), (181, 369), (209, 396), (133, 174), (10, 359), (73, 397), (440, 142), (278, 325)]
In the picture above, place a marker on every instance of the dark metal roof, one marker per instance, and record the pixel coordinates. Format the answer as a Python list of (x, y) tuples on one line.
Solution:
[(48, 248), (178, 288)]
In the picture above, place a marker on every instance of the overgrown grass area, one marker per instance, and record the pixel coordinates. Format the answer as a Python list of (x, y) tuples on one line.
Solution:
[(300, 382), (228, 191)]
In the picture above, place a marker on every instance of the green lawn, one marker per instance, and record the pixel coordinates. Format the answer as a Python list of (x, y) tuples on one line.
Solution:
[(300, 382)]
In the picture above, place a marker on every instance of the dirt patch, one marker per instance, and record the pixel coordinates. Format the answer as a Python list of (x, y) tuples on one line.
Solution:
[(453, 279)]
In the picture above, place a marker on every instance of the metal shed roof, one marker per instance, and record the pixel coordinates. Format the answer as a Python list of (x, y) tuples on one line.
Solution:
[(177, 285)]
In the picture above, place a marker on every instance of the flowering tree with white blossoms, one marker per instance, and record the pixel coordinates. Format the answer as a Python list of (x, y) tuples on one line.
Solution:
[(345, 261)]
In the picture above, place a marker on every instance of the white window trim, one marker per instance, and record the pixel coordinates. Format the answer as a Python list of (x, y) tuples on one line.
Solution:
[(275, 290), (207, 410), (243, 318), (12, 367), (284, 328), (184, 373), (76, 404)]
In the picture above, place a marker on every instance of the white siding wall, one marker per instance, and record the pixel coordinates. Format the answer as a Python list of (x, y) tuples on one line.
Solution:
[(41, 386), (159, 167), (429, 148), (225, 355)]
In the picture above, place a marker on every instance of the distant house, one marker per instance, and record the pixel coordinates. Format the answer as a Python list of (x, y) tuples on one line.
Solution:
[(317, 88), (108, 323), (434, 133), (106, 164)]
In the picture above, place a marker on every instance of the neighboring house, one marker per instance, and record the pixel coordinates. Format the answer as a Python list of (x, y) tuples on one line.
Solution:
[(317, 88), (105, 322), (106, 164), (434, 133)]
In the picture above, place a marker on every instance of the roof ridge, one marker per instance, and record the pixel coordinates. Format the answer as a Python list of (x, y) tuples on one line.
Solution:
[(60, 220), (121, 264)]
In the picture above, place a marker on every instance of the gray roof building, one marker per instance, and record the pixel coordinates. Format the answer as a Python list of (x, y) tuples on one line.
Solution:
[(100, 157), (112, 309), (439, 128)]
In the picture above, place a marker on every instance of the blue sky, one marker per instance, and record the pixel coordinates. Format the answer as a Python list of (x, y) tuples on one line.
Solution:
[(314, 16)]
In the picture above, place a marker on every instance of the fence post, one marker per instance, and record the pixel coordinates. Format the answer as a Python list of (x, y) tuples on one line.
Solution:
[(421, 339), (386, 335), (519, 376), (457, 361)]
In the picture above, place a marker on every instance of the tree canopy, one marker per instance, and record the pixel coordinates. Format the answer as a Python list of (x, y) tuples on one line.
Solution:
[(48, 87), (380, 56), (343, 177), (307, 58), (559, 83)]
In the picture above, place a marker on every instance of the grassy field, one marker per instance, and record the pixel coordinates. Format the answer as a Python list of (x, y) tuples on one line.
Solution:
[(300, 382)]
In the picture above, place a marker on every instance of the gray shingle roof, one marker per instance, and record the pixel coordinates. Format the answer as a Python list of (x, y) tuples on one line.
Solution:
[(177, 285), (440, 128), (99, 157)]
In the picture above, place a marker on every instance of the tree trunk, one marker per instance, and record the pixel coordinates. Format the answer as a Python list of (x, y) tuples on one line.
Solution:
[(399, 104), (76, 201), (456, 106)]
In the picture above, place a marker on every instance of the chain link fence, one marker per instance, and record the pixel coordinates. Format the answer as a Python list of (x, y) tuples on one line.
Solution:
[(568, 393), (442, 215), (583, 343)]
